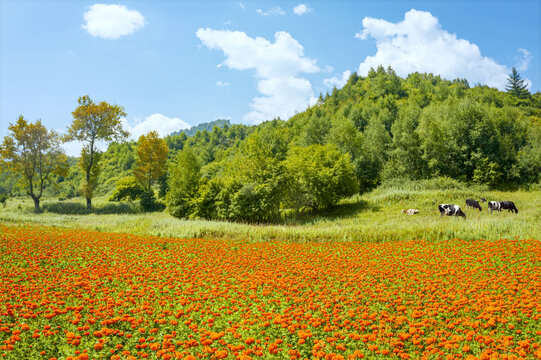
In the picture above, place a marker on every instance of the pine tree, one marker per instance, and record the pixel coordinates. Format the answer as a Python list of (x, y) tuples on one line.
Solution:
[(516, 85)]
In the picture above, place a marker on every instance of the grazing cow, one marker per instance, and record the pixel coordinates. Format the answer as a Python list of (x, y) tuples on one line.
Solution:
[(410, 211), (450, 210), (509, 206), (483, 200), (494, 205), (473, 203)]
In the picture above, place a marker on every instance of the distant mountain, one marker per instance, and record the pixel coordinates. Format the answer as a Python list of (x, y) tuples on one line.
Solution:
[(203, 126)]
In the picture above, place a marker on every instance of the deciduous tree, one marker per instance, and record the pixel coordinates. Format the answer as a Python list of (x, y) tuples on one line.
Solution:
[(151, 158), (93, 123), (33, 152)]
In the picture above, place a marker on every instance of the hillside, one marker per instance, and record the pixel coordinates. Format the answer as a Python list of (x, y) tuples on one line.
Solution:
[(376, 128), (208, 126)]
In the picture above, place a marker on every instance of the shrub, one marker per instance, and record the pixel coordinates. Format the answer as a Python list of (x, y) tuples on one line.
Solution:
[(149, 203), (3, 198), (319, 176), (127, 188)]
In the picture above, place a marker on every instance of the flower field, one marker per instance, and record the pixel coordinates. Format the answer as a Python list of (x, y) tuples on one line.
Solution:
[(74, 294)]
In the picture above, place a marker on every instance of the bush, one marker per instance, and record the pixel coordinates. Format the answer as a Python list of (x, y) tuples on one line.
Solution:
[(3, 198), (319, 176), (149, 203), (127, 188)]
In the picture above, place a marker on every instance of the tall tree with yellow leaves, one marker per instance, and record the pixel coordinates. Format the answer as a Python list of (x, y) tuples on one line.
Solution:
[(33, 152), (93, 123), (151, 157)]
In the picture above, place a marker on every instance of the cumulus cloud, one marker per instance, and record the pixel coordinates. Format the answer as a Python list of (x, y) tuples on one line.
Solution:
[(155, 122), (112, 21), (73, 148), (418, 43), (338, 81), (274, 11), (276, 64), (301, 9), (222, 84)]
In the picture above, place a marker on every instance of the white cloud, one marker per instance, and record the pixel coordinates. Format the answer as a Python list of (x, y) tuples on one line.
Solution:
[(155, 122), (328, 69), (525, 61), (337, 81), (222, 84), (112, 21), (276, 64), (274, 11), (73, 148), (419, 44), (301, 9), (242, 5)]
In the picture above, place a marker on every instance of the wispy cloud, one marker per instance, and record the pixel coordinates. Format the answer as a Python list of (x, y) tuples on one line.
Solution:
[(222, 84), (274, 11), (112, 21), (525, 61)]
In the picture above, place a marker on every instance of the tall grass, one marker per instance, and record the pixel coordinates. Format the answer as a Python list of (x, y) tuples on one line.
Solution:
[(375, 216)]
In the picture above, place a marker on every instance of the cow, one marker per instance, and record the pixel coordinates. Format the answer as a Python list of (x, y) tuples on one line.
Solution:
[(509, 206), (410, 211), (494, 205), (450, 210), (483, 200), (474, 204)]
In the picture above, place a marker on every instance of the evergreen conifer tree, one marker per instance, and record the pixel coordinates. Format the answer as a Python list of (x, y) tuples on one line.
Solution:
[(515, 85)]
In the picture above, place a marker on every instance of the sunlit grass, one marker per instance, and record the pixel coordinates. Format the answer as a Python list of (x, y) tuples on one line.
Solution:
[(375, 216)]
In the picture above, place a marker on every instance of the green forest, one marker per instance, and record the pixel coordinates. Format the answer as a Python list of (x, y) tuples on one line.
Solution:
[(376, 128)]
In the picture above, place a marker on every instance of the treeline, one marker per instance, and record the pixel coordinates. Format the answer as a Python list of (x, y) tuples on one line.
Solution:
[(375, 128)]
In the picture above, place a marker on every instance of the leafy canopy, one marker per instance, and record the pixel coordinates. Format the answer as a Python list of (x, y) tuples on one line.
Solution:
[(34, 153), (151, 159), (92, 123)]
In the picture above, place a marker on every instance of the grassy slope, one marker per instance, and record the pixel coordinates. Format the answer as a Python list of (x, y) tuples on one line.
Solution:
[(374, 217)]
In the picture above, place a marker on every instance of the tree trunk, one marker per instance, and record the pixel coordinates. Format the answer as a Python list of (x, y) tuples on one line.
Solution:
[(36, 203), (88, 203)]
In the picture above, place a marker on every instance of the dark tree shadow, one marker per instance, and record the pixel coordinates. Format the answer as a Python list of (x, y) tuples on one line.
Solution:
[(340, 211), (74, 208)]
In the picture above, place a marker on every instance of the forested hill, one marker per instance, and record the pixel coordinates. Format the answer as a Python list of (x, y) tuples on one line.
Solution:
[(208, 126), (375, 128)]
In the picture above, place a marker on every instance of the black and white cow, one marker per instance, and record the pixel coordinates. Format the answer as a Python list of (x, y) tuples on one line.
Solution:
[(450, 210), (509, 206), (502, 205), (494, 205), (483, 200), (473, 203)]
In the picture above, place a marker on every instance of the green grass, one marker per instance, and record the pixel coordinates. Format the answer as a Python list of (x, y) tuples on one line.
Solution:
[(375, 216)]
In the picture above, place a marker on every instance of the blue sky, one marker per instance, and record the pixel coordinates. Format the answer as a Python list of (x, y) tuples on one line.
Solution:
[(172, 64)]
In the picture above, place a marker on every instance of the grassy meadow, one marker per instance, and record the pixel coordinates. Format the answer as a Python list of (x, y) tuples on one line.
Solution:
[(375, 216)]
